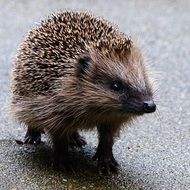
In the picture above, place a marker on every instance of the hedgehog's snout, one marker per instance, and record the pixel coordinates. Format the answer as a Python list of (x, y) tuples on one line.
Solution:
[(149, 106), (138, 106)]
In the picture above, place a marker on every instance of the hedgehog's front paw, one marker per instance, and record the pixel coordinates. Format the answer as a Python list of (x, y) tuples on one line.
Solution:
[(106, 163)]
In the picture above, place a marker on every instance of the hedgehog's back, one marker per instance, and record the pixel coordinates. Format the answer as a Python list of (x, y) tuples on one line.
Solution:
[(50, 51)]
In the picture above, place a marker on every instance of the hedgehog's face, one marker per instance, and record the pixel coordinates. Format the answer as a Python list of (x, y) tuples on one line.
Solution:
[(134, 100), (122, 87)]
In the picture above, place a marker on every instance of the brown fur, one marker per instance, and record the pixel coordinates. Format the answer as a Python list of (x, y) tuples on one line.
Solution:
[(51, 94)]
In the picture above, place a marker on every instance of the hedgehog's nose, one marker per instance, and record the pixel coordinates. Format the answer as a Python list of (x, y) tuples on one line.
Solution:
[(149, 106)]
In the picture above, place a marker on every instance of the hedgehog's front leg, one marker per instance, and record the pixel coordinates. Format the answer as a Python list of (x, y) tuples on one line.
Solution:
[(104, 154)]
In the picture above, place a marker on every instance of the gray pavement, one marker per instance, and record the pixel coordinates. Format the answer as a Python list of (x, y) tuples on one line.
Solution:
[(154, 153)]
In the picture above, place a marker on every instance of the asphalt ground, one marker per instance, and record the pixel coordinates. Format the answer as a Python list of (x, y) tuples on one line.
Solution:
[(154, 153)]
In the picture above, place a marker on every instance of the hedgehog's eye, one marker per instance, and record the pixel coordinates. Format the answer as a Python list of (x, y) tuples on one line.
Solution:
[(117, 86)]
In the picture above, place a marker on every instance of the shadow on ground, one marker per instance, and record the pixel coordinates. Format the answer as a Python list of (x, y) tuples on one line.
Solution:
[(32, 165)]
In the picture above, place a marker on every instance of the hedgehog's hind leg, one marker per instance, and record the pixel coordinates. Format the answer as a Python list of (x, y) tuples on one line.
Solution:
[(61, 143), (76, 140), (32, 136), (61, 159)]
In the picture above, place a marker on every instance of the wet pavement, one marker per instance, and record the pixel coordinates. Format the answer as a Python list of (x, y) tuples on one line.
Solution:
[(154, 153)]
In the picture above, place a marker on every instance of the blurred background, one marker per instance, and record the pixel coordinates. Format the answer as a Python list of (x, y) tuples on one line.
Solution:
[(154, 153)]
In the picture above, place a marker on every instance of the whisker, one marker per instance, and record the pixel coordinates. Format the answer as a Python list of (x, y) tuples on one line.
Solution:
[(158, 117)]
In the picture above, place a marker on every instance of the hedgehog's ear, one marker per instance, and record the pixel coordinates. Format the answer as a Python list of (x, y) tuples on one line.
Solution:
[(83, 64)]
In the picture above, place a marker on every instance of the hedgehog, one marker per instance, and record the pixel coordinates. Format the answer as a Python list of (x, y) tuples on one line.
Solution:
[(74, 72)]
